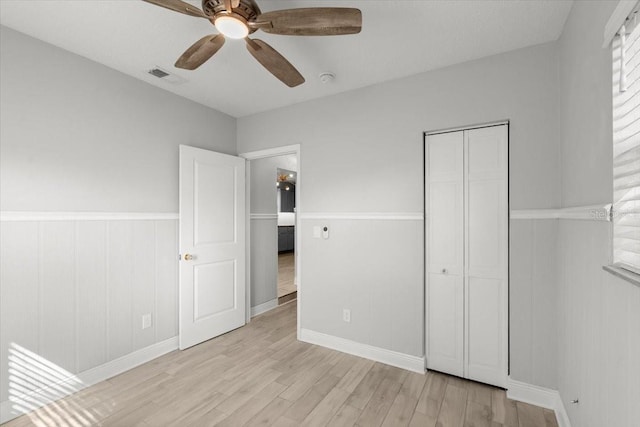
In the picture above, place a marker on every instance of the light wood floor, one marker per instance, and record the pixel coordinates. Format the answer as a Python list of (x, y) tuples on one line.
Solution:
[(286, 274), (261, 375)]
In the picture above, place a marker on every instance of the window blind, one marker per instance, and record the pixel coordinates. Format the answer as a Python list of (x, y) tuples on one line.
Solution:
[(626, 145)]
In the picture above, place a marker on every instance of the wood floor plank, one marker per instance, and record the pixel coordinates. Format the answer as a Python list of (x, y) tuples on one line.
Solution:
[(286, 422), (181, 411), (421, 420), (305, 404), (477, 415), (529, 415), (247, 393), (326, 409), (432, 394), (453, 407), (260, 375), (252, 405), (504, 410), (305, 381), (346, 416), (550, 418), (352, 378), (271, 413), (367, 386), (401, 411), (379, 404), (414, 384), (479, 393)]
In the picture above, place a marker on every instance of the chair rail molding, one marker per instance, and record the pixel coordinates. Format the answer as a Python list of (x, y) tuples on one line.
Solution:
[(12, 216), (585, 213), (376, 216)]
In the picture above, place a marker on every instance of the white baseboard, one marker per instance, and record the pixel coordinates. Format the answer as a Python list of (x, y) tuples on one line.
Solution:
[(264, 307), (389, 357), (561, 414), (539, 396), (14, 407)]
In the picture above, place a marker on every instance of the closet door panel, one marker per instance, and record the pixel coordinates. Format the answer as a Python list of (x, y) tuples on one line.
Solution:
[(445, 203), (445, 250), (446, 320), (486, 222), (445, 224), (486, 257), (484, 336)]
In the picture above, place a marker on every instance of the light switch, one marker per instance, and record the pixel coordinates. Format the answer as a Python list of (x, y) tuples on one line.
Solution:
[(325, 232), (316, 232)]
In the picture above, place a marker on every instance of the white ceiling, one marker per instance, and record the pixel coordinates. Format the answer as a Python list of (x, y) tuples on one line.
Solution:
[(398, 38)]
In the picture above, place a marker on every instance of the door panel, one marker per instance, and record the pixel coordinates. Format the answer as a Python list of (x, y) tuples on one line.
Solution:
[(486, 257), (212, 234), (446, 323), (445, 223), (214, 204), (484, 337), (212, 293), (444, 256), (486, 232)]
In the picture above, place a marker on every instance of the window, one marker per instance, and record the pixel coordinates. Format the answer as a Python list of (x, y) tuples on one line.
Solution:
[(625, 213)]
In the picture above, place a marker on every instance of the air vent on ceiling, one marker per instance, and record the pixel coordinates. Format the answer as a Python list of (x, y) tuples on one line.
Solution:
[(158, 73), (166, 76)]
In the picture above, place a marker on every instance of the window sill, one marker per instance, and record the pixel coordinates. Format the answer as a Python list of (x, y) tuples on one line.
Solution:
[(623, 274)]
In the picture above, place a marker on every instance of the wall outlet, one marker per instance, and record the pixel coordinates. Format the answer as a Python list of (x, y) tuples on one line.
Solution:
[(146, 321), (346, 315)]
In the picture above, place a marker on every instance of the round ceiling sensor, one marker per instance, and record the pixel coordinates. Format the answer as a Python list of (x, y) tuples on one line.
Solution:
[(327, 77)]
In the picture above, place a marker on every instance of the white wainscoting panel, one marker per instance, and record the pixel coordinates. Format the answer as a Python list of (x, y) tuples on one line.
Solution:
[(533, 342), (73, 292), (598, 330)]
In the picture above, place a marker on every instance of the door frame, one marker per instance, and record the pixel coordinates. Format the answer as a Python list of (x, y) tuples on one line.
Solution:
[(506, 350), (262, 154)]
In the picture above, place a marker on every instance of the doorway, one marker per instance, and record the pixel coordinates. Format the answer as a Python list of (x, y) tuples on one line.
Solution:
[(263, 228), (286, 207)]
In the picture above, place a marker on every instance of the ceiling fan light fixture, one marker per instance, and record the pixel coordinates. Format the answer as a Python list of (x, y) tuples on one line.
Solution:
[(232, 27)]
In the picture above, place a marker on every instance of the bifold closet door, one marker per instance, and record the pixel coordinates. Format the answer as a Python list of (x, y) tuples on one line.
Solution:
[(466, 253), (445, 252)]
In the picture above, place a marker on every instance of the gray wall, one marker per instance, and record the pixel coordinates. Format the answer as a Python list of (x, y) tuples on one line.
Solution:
[(375, 135), (264, 231), (77, 136), (598, 314)]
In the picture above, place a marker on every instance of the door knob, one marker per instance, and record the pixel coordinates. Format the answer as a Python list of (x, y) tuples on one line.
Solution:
[(444, 271), (188, 257)]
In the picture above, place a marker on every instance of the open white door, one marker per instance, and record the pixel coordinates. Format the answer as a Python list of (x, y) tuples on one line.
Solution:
[(212, 244)]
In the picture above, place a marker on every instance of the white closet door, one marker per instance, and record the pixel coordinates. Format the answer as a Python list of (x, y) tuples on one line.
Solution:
[(486, 246), (445, 249)]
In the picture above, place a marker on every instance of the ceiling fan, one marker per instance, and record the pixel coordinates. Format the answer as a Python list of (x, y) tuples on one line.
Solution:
[(237, 19)]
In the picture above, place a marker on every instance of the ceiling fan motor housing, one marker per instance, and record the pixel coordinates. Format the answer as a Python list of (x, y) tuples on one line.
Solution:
[(248, 10)]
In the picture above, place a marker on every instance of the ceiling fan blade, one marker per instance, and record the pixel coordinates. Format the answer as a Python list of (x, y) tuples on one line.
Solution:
[(228, 6), (179, 6), (200, 52), (318, 21), (275, 63), (235, 3)]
